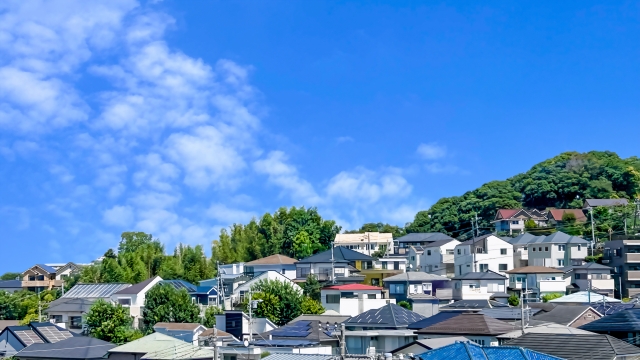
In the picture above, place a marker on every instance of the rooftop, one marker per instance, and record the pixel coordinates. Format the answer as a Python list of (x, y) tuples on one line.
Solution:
[(155, 341), (340, 255), (577, 346), (136, 288), (535, 270), (287, 356), (556, 214), (624, 321), (94, 291), (70, 305), (468, 324), (423, 237), (275, 259), (432, 320), (481, 275), (180, 284), (438, 243), (505, 313), (605, 202), (582, 297), (351, 287), (555, 238), (307, 330), (471, 351), (548, 328), (375, 237), (562, 314), (415, 276), (177, 326), (388, 316), (77, 347), (430, 344), (473, 305)]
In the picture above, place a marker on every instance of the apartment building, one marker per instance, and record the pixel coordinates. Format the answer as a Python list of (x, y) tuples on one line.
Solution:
[(484, 253), (555, 250), (622, 254)]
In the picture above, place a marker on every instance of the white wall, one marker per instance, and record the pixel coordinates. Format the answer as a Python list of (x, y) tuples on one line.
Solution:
[(497, 252), (434, 259), (477, 289), (487, 340)]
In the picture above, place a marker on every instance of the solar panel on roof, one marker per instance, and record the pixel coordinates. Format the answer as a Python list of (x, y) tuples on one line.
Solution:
[(28, 337), (53, 334)]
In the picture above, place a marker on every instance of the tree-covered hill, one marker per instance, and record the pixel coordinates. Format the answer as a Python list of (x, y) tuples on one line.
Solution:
[(560, 182)]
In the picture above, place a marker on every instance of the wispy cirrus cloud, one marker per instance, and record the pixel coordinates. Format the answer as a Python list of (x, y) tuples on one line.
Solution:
[(431, 151)]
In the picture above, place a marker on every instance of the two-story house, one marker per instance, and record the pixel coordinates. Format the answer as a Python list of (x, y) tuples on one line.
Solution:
[(46, 277), (366, 243), (402, 286), (589, 276), (539, 280), (555, 250), (133, 297), (623, 255), (280, 263), (353, 299), (479, 285), (403, 243), (414, 255), (513, 220), (484, 253), (438, 258), (339, 263)]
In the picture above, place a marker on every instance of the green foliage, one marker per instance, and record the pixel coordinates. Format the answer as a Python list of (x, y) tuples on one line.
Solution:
[(164, 303), (561, 182), (549, 297), (405, 304), (10, 276), (110, 322), (569, 218), (596, 258), (514, 300), (294, 232), (264, 354), (281, 301), (24, 305), (530, 224), (311, 306), (312, 287), (210, 316)]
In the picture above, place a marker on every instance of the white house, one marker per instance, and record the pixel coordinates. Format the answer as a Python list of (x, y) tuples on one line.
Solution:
[(366, 243), (484, 253), (589, 275), (279, 263), (555, 250), (512, 220), (438, 257), (538, 279), (414, 256), (478, 285), (242, 291), (353, 299), (133, 297), (187, 332), (236, 323)]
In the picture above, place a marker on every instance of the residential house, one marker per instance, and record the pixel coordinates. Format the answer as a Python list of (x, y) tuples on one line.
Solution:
[(298, 337), (236, 323), (403, 285), (187, 332), (472, 305), (232, 275), (623, 325), (366, 243), (577, 346), (204, 295), (435, 319), (572, 316), (414, 258), (591, 203), (545, 328), (555, 250), (476, 327), (556, 215), (438, 258), (10, 286), (623, 255), (513, 220), (70, 310), (338, 263), (589, 276), (222, 338), (14, 338), (478, 285), (584, 297), (484, 253), (133, 297), (380, 330), (471, 351), (423, 345), (72, 348), (417, 239), (159, 346), (328, 316), (353, 299), (279, 263), (241, 291), (540, 280), (45, 277)]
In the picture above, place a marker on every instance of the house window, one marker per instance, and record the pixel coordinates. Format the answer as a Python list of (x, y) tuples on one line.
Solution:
[(478, 341), (560, 262), (375, 282), (484, 267), (333, 298), (75, 322), (457, 284), (124, 301), (580, 247), (577, 276), (503, 251), (396, 265), (429, 252), (371, 296), (525, 248), (502, 267), (413, 258), (458, 251), (396, 288), (515, 222), (533, 249), (450, 252), (546, 248), (561, 247), (384, 265), (540, 248)]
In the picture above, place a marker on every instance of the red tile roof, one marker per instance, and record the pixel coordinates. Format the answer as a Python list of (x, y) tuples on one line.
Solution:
[(507, 213), (556, 214), (352, 287)]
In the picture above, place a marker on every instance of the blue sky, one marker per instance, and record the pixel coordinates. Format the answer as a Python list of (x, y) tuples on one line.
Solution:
[(181, 117)]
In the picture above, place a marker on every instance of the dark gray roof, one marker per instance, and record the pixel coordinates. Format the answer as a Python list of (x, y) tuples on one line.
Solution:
[(340, 254), (555, 238), (576, 347), (468, 324), (415, 276), (623, 321), (312, 330), (605, 202), (136, 288), (50, 332), (562, 314), (179, 285), (474, 305), (507, 313), (586, 266), (388, 316), (423, 237), (438, 243), (70, 305), (77, 347), (286, 356), (476, 239), (10, 284), (437, 318), (481, 275)]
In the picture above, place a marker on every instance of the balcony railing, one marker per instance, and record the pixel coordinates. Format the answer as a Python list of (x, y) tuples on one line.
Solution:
[(632, 257), (633, 275), (42, 283)]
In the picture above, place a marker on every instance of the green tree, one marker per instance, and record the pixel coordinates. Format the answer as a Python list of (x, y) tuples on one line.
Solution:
[(110, 322), (195, 264), (311, 306), (302, 246), (10, 276), (132, 241), (530, 224), (210, 316), (514, 300), (405, 304), (569, 218), (164, 303), (26, 304), (312, 287), (549, 297), (281, 301)]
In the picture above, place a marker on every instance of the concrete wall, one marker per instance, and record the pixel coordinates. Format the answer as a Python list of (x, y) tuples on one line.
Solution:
[(492, 257), (462, 289)]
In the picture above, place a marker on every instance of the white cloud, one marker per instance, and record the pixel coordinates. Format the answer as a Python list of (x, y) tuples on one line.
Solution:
[(228, 215), (344, 139), (155, 172), (436, 168), (121, 216), (285, 175), (364, 186), (61, 172), (432, 151)]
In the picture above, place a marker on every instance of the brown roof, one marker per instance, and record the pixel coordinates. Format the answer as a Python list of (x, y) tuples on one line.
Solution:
[(468, 324), (273, 260), (177, 326), (534, 270), (556, 214), (507, 213), (209, 332)]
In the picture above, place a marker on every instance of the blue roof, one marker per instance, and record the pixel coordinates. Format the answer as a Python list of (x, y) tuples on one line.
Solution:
[(437, 318), (7, 284), (47, 268), (472, 351)]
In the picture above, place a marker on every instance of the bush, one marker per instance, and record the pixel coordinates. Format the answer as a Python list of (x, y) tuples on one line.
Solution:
[(210, 316), (405, 304), (110, 322), (549, 297), (514, 300)]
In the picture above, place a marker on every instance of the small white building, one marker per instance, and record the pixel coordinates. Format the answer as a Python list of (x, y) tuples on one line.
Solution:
[(414, 257), (478, 285), (133, 297), (538, 279), (484, 253), (366, 243), (438, 258), (278, 263), (353, 299), (187, 332)]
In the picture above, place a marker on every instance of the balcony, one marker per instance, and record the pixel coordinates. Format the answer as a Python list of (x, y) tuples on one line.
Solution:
[(632, 292), (633, 275), (42, 283), (632, 257)]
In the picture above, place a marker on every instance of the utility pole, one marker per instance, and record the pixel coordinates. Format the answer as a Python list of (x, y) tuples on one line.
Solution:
[(215, 343), (477, 230), (250, 317), (593, 231), (39, 307), (473, 249), (333, 269), (369, 243), (523, 292), (342, 342)]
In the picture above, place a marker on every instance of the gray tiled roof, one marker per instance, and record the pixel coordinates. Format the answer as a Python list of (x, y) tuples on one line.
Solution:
[(422, 237), (468, 324), (474, 305), (70, 305), (587, 266), (439, 243), (340, 254), (136, 288), (605, 202), (47, 268), (623, 321), (481, 275), (507, 313), (388, 316), (91, 291), (77, 347), (562, 314), (415, 276), (555, 238), (476, 239), (577, 347)]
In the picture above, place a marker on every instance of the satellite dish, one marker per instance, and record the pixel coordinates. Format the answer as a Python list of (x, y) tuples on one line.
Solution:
[(246, 343)]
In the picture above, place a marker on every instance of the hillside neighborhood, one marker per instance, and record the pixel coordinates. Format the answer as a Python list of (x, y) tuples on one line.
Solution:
[(526, 285)]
